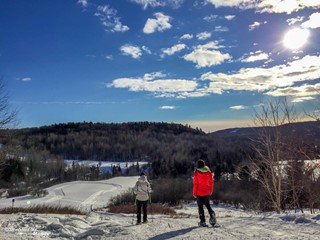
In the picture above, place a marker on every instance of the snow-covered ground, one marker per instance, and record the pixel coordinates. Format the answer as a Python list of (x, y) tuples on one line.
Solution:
[(84, 195), (235, 223)]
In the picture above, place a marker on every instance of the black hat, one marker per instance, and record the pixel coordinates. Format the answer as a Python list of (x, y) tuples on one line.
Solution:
[(200, 164), (142, 174)]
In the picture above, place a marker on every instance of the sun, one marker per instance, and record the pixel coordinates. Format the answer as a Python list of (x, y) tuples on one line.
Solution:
[(296, 38)]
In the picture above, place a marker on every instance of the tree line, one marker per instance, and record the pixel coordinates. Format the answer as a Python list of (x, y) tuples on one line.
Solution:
[(172, 148)]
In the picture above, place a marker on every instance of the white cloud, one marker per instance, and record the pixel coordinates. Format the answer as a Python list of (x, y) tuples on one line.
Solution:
[(173, 49), (213, 17), (283, 6), (294, 79), (186, 36), (303, 92), (256, 56), (159, 3), (160, 23), (313, 22), (292, 21), (83, 3), (118, 27), (153, 75), (256, 25), (238, 107), (110, 57), (302, 99), (151, 3), (221, 29), (146, 49), (229, 3), (230, 17), (271, 79), (207, 55), (134, 51), (154, 83), (24, 79), (271, 6), (168, 107), (203, 35), (131, 50), (109, 20), (210, 18)]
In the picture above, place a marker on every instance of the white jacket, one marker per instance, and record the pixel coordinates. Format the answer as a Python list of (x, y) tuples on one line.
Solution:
[(142, 189)]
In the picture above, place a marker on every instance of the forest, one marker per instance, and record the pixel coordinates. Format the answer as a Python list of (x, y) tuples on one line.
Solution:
[(171, 148)]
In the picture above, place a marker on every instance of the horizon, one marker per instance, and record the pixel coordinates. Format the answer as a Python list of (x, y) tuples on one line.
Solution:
[(205, 63), (183, 124)]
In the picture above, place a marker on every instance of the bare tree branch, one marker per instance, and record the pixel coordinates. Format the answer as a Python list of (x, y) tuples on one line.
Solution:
[(7, 116)]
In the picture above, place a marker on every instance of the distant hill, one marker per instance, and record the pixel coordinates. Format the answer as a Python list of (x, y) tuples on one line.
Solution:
[(308, 130)]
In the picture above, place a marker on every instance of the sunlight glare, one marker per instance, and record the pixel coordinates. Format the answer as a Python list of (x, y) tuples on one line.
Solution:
[(296, 38)]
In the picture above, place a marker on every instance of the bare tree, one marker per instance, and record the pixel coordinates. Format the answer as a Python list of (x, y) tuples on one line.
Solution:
[(7, 116), (311, 185), (271, 149), (315, 113)]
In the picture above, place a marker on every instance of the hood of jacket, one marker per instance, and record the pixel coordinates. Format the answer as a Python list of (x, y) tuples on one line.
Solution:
[(203, 169), (142, 178)]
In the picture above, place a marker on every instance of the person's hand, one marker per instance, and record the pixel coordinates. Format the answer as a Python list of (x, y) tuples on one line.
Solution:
[(195, 197)]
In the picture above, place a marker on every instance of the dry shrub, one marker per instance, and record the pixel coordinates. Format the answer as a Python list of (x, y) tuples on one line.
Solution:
[(124, 208), (42, 209), (124, 198), (238, 193), (171, 190)]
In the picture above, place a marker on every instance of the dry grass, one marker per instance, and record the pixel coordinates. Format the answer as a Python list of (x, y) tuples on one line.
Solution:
[(42, 209), (152, 209)]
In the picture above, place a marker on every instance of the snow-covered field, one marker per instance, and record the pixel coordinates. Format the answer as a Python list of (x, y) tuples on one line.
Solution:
[(235, 223)]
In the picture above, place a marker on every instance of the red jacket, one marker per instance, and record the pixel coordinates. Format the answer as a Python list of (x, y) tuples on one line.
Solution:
[(202, 182)]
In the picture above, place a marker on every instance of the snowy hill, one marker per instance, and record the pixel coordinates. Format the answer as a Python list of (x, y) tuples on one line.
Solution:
[(82, 195), (235, 223)]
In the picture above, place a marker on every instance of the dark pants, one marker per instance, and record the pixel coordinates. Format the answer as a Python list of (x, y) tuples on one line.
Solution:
[(143, 205), (204, 201)]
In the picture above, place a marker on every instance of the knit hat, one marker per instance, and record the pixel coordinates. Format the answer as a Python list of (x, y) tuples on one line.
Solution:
[(200, 164)]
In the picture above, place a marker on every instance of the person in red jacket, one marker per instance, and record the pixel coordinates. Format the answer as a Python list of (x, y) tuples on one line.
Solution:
[(202, 189)]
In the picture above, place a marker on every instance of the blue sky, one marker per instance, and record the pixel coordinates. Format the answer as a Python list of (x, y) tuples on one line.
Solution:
[(207, 63)]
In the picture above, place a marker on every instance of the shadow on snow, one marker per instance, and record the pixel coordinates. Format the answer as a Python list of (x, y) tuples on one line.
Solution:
[(172, 234)]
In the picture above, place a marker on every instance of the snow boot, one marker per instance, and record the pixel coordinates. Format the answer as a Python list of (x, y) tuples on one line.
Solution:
[(202, 224), (213, 220)]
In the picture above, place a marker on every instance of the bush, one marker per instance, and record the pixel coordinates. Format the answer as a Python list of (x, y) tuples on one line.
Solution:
[(171, 190), (124, 198), (42, 209), (17, 192), (38, 192), (238, 193)]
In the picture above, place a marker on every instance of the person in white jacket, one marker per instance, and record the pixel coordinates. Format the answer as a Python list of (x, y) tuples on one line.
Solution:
[(142, 190)]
